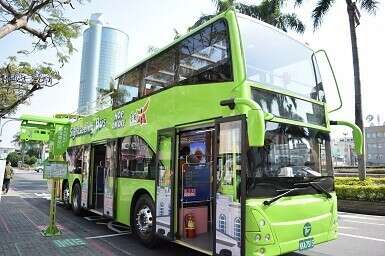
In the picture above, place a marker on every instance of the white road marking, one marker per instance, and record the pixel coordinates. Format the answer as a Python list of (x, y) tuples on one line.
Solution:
[(363, 237), (361, 217), (103, 236), (363, 222), (342, 227)]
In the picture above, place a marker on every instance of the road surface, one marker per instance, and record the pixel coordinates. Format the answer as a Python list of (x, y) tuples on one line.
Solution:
[(358, 234)]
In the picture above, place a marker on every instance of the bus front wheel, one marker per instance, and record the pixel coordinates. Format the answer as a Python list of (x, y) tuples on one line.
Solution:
[(144, 222), (76, 199)]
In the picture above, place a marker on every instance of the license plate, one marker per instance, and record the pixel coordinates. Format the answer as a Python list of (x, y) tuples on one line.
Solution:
[(306, 243)]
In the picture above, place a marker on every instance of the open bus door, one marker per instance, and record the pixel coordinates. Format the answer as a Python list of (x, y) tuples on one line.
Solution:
[(229, 187), (165, 177)]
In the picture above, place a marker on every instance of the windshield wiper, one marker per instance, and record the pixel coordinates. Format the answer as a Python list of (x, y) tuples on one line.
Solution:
[(316, 186), (290, 191)]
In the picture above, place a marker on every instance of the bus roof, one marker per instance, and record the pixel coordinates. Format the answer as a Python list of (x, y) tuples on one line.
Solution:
[(219, 16), (43, 119)]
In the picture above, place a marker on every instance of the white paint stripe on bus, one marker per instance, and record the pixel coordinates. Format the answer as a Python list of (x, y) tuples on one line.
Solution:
[(364, 222), (363, 237), (103, 236)]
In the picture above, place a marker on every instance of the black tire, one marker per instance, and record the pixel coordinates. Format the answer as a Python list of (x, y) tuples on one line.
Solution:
[(76, 199), (65, 195), (144, 212)]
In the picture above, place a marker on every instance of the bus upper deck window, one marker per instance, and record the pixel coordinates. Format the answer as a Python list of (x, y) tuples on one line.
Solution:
[(128, 87)]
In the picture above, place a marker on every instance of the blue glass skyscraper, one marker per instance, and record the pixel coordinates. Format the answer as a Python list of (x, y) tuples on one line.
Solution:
[(104, 56)]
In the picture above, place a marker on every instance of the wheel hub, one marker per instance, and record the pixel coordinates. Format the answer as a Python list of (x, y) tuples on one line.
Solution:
[(66, 195), (144, 220)]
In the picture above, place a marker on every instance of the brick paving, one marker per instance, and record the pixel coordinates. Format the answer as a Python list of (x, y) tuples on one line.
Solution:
[(20, 227), (24, 212)]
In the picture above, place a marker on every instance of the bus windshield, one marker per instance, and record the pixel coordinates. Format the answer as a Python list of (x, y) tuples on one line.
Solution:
[(276, 60), (291, 154)]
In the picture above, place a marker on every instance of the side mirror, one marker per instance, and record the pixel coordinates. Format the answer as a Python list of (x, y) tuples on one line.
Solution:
[(256, 127), (324, 68), (357, 135)]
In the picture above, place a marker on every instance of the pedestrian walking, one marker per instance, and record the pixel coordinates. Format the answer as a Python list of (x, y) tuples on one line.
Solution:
[(8, 174)]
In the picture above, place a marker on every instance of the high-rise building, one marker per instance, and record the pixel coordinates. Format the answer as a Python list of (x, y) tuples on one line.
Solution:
[(104, 56)]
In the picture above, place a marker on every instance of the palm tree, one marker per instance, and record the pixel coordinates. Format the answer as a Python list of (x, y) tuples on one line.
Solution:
[(268, 11), (322, 7)]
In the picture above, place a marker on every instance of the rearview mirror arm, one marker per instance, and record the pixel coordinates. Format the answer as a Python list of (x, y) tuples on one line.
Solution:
[(357, 135)]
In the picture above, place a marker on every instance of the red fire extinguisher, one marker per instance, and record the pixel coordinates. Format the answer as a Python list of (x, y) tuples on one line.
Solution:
[(189, 226)]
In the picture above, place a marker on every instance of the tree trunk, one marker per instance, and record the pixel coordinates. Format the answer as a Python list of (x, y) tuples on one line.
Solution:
[(357, 86), (13, 25)]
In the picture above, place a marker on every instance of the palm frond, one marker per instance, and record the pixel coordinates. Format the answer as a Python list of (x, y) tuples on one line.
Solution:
[(322, 7), (370, 6), (292, 21), (298, 3)]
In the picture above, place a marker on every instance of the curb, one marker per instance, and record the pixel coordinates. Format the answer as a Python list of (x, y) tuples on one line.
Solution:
[(362, 207)]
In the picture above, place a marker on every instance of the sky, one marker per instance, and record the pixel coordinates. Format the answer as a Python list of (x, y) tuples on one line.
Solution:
[(152, 23)]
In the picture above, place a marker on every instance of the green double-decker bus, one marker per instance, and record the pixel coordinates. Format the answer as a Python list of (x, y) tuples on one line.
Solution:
[(219, 142)]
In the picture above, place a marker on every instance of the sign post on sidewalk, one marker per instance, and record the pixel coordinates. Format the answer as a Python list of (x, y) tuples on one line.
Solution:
[(55, 132), (54, 171)]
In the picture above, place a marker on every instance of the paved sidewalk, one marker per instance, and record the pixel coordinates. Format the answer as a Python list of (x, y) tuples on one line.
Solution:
[(20, 226)]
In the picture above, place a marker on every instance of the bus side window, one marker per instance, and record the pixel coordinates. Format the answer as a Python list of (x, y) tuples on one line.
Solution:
[(137, 160), (75, 160), (128, 87)]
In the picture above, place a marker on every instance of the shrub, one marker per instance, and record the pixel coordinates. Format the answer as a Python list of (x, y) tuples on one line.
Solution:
[(30, 160), (372, 189), (14, 158)]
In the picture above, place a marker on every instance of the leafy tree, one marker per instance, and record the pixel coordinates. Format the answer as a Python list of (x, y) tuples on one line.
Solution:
[(370, 6), (46, 23), (14, 158), (269, 11), (18, 81), (30, 160)]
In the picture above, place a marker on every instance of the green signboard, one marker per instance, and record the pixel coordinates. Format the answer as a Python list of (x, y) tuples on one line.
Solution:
[(61, 139)]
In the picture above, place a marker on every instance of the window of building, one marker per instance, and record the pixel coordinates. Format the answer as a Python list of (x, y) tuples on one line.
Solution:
[(368, 135), (169, 209), (369, 156), (237, 229), (137, 160), (379, 134), (222, 223)]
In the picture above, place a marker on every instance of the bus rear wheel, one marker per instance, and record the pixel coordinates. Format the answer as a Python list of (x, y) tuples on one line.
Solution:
[(144, 221), (76, 199)]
